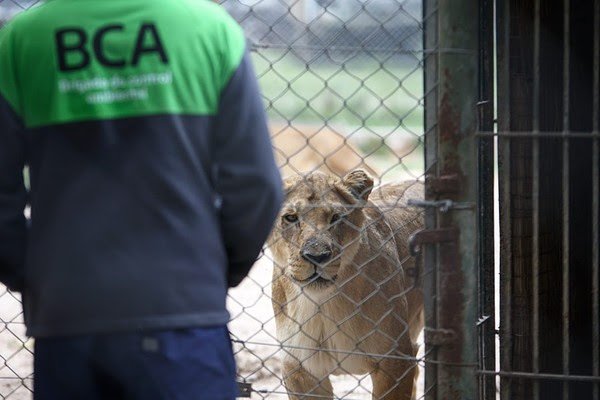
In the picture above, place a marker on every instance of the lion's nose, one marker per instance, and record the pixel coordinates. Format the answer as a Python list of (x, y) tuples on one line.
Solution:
[(318, 258)]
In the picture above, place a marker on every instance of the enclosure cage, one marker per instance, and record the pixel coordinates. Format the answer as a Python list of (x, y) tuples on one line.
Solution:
[(494, 107)]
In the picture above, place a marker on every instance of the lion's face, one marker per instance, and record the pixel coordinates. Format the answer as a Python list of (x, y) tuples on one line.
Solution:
[(318, 230)]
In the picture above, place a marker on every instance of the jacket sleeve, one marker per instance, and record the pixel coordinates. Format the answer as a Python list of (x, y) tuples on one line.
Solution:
[(13, 195), (246, 176)]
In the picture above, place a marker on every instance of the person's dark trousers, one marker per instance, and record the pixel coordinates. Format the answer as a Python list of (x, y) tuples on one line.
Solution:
[(190, 364)]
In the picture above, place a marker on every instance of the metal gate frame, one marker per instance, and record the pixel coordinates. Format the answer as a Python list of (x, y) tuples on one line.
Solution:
[(452, 183), (549, 171)]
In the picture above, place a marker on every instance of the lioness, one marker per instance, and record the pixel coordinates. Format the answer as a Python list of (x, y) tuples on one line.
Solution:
[(341, 300)]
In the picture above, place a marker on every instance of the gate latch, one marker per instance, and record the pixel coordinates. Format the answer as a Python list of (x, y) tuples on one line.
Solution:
[(443, 205), (439, 337), (430, 236)]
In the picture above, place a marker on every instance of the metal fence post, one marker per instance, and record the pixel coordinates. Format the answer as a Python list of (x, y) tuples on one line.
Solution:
[(454, 336), (430, 73)]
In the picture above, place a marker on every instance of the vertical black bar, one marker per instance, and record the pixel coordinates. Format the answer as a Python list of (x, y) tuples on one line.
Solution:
[(565, 197), (596, 203), (485, 190), (535, 257), (504, 157), (430, 73)]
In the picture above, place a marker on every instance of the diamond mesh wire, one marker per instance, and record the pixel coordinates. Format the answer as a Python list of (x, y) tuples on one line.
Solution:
[(342, 85), (16, 350), (343, 88)]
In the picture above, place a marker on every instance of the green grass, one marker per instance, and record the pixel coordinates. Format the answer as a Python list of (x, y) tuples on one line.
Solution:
[(376, 105), (362, 92)]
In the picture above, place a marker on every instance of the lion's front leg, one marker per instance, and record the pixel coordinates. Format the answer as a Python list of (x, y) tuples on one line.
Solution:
[(302, 385), (394, 380)]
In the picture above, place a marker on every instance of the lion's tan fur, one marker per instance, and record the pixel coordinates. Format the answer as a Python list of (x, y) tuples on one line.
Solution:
[(370, 309)]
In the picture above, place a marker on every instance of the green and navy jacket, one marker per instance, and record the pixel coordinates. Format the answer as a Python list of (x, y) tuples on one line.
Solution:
[(153, 183)]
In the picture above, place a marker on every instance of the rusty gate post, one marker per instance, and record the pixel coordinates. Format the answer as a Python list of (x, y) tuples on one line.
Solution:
[(451, 335)]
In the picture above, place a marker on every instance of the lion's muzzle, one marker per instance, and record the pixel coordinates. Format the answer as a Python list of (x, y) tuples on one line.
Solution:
[(316, 252)]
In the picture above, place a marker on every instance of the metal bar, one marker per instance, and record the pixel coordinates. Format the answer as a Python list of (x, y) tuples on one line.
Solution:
[(443, 205), (457, 264), (485, 190), (565, 198), (430, 236), (595, 205), (545, 134), (504, 172), (430, 74), (541, 376), (535, 260)]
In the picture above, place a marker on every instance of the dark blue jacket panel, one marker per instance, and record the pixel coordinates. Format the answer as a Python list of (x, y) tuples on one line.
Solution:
[(13, 197), (137, 223)]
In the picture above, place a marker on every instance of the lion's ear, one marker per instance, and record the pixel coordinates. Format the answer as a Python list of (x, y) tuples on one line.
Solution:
[(359, 183), (288, 185)]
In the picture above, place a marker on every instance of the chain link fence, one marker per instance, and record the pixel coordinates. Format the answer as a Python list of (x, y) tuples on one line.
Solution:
[(16, 350), (342, 82)]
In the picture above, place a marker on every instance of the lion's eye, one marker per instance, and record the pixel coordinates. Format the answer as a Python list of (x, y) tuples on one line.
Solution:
[(291, 218), (335, 218)]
